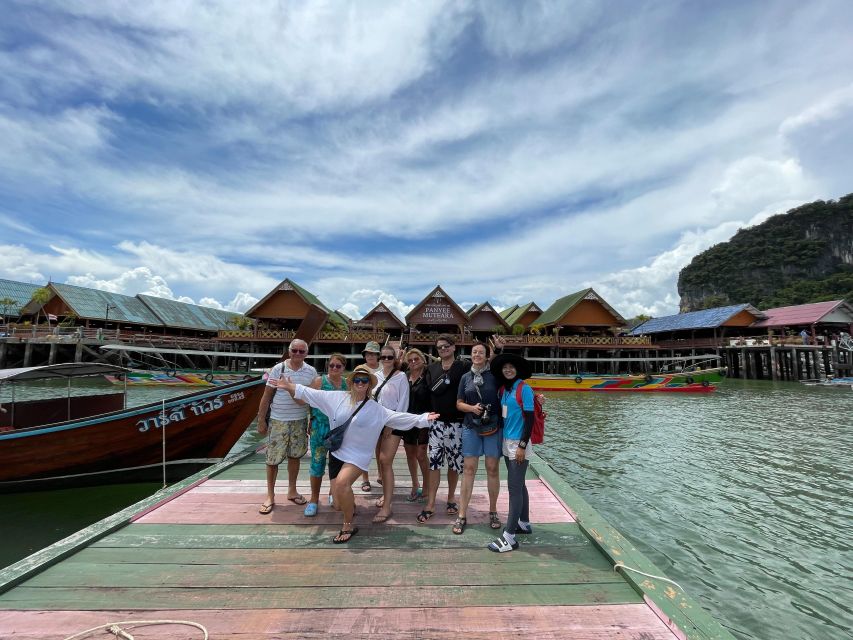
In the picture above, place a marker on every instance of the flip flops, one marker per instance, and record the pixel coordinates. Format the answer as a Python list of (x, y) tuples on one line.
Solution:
[(349, 533), (298, 499), (379, 518), (414, 496), (266, 508)]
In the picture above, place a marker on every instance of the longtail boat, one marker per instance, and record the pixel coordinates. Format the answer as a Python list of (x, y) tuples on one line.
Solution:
[(699, 381), (175, 378), (95, 438)]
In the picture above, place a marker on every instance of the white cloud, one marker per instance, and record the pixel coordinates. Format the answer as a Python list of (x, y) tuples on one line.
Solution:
[(359, 302)]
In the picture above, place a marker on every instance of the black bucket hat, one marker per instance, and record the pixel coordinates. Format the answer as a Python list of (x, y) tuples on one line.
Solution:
[(523, 367)]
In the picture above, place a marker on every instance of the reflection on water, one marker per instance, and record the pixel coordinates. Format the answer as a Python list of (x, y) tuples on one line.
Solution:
[(743, 496)]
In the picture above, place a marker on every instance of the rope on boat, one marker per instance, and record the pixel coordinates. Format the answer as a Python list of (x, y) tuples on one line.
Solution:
[(624, 567), (118, 632)]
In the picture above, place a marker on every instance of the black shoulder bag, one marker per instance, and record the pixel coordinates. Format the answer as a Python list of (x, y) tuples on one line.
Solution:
[(335, 438)]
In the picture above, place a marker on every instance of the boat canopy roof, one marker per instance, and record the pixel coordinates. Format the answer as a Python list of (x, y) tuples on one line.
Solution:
[(59, 371)]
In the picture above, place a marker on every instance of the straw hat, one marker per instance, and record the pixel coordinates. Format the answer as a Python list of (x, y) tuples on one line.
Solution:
[(523, 368), (361, 369)]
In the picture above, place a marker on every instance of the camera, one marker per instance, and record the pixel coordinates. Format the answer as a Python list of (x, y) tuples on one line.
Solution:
[(483, 418)]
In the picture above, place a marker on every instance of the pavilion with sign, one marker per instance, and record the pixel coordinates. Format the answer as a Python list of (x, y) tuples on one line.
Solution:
[(437, 313)]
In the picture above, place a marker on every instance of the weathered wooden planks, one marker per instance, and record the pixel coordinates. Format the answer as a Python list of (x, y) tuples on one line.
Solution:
[(580, 622)]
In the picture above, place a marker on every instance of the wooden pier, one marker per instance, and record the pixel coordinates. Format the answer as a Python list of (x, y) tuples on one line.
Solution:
[(201, 552)]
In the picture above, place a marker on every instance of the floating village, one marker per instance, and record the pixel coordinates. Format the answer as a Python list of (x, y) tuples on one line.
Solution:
[(199, 559)]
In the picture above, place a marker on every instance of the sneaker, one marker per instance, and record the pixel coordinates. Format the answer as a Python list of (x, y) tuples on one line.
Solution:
[(502, 546), (310, 510)]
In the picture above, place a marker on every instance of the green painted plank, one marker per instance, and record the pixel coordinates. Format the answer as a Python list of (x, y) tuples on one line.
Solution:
[(125, 599), (587, 554), (684, 612), (488, 571), (408, 537)]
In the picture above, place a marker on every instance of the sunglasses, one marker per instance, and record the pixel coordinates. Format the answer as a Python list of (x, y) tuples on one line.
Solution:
[(361, 380), (386, 357), (442, 347), (298, 351), (335, 365), (413, 360)]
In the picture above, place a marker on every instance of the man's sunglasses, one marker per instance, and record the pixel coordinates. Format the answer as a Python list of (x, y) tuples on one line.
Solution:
[(299, 351), (361, 380), (442, 347)]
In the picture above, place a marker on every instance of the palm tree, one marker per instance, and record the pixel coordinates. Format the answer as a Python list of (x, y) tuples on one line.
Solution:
[(7, 303), (40, 297)]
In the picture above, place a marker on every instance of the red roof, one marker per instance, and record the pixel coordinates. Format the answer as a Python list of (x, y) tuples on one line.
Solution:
[(798, 314)]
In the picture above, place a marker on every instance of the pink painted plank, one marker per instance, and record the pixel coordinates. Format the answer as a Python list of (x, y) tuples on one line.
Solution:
[(582, 622)]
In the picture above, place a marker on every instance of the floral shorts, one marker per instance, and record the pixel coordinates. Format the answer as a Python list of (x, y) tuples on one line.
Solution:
[(445, 445), (319, 453), (287, 439)]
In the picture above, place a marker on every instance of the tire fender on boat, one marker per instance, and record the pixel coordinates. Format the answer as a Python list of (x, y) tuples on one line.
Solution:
[(689, 380), (578, 380), (648, 378), (208, 377), (705, 383)]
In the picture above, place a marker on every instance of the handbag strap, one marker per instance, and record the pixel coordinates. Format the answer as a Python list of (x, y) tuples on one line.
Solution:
[(354, 413), (384, 382)]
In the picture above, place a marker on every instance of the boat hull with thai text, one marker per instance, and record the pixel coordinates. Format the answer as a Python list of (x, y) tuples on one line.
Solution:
[(180, 435)]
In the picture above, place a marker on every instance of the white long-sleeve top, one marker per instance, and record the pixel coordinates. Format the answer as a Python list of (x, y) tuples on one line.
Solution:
[(363, 432), (395, 393)]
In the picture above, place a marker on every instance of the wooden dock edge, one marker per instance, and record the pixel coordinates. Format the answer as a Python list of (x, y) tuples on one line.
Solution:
[(683, 615), (24, 569)]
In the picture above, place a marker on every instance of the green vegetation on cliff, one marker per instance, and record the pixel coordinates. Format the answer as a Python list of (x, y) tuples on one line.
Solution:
[(804, 255)]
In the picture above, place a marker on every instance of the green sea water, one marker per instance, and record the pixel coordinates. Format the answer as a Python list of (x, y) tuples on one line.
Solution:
[(743, 496)]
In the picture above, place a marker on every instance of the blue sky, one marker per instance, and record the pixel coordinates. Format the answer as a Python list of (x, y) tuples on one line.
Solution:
[(369, 151)]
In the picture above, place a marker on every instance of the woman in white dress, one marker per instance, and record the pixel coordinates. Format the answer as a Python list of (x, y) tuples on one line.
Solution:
[(347, 463)]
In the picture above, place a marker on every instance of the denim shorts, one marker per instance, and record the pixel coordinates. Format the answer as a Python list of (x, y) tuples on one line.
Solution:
[(474, 445)]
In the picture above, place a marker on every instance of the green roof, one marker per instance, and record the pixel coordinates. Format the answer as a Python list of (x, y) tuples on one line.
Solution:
[(20, 292), (506, 313), (516, 315), (92, 303), (189, 316), (565, 304)]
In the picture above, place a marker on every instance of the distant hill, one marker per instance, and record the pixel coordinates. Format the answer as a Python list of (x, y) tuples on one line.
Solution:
[(804, 255)]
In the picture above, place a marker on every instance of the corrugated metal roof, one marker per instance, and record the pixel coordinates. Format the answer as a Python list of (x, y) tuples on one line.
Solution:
[(189, 316), (20, 292), (704, 319), (92, 303), (798, 314)]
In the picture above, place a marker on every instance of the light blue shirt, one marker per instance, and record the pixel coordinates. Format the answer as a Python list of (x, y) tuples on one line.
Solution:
[(514, 421)]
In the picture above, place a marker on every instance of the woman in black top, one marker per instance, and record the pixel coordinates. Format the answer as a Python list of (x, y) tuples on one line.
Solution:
[(415, 440)]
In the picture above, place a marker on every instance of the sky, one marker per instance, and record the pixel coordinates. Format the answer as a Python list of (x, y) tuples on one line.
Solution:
[(368, 151)]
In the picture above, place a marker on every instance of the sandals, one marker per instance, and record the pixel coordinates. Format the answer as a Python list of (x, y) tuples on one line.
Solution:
[(298, 499), (379, 518), (415, 495), (425, 515), (459, 526), (365, 487), (266, 508), (380, 501), (494, 521), (349, 533), (452, 508), (502, 546)]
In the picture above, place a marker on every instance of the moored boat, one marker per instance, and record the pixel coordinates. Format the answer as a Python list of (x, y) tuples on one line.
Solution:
[(94, 438), (684, 382), (175, 378)]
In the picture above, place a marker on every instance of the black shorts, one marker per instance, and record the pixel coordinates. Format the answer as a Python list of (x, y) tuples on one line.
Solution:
[(335, 466), (413, 436)]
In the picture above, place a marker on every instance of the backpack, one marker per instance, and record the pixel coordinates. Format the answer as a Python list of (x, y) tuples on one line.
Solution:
[(539, 415)]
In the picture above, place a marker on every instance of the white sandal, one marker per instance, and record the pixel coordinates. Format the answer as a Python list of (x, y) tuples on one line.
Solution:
[(502, 546)]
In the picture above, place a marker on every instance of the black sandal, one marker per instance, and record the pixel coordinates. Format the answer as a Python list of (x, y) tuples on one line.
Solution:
[(349, 533), (425, 515), (452, 508), (494, 521), (459, 526)]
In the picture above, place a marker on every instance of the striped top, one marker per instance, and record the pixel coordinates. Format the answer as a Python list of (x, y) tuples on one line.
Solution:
[(283, 405)]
